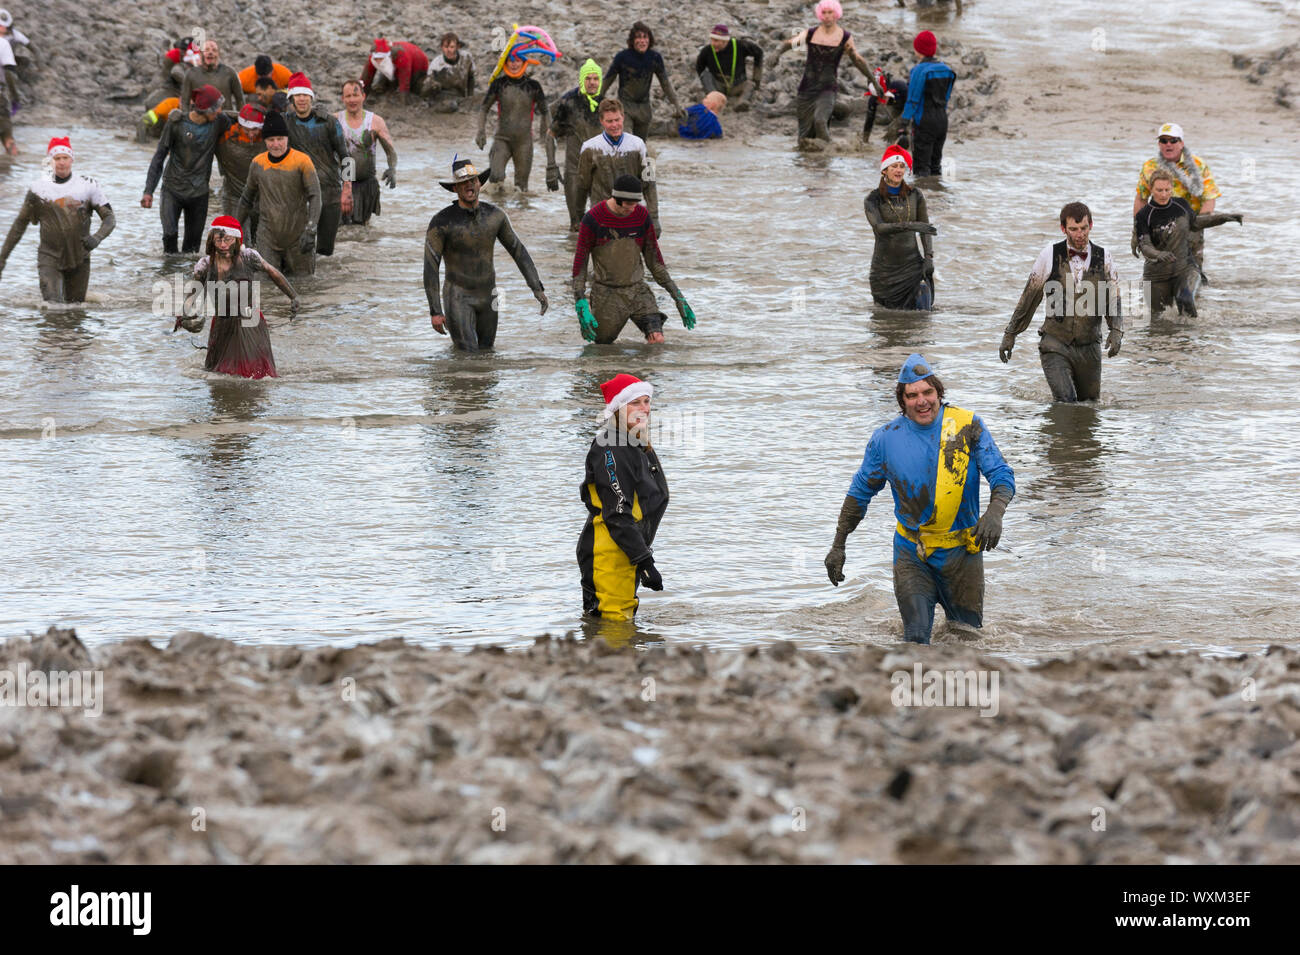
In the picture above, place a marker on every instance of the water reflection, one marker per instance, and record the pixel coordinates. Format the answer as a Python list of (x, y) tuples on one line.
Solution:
[(61, 335), (1073, 452)]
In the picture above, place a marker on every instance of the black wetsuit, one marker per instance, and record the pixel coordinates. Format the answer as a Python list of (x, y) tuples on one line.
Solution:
[(897, 268), (634, 72), (63, 207), (1171, 229), (1070, 343), (724, 71), (187, 149), (626, 495), (577, 121), (465, 239), (320, 137), (520, 100)]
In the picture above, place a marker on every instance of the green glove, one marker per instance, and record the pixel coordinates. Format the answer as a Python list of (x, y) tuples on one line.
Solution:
[(684, 310), (586, 320)]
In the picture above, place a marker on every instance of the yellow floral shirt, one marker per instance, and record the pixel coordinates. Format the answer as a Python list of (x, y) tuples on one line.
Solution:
[(1211, 190)]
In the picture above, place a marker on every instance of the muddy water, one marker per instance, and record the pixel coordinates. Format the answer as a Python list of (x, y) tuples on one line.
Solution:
[(384, 486)]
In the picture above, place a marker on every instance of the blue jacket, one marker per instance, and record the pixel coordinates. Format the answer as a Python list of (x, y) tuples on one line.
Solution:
[(916, 80), (700, 124), (906, 455)]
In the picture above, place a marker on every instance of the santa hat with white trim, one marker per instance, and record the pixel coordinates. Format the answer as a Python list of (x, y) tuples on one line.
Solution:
[(229, 225), (298, 83), (895, 154), (621, 389), (59, 146)]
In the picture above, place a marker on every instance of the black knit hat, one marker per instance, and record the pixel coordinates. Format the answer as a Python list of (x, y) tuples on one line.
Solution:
[(274, 125), (627, 186)]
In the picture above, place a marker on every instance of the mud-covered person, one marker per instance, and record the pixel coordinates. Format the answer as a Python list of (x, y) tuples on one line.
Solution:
[(235, 152), (364, 132), (63, 205), (610, 154), (1078, 279), (283, 196), (929, 87), (826, 44), (1192, 181), (1165, 228), (183, 161), (931, 456), (316, 132), (901, 277), (212, 72), (575, 119), (519, 98), (451, 75), (464, 236), (619, 239), (720, 66), (634, 69)]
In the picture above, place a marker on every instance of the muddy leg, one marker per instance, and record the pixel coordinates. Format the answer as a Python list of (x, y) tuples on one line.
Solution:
[(1060, 376), (915, 590)]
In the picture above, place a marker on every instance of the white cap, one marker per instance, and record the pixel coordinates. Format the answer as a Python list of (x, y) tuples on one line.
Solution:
[(1170, 129), (6, 18)]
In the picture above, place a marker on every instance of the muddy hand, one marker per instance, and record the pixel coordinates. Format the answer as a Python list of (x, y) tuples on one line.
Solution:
[(1112, 342), (1008, 343), (835, 565), (543, 301), (439, 323)]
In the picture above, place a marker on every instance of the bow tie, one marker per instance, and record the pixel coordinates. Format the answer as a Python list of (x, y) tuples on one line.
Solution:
[(1075, 253)]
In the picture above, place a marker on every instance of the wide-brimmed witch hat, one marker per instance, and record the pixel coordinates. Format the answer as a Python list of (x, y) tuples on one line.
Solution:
[(462, 170)]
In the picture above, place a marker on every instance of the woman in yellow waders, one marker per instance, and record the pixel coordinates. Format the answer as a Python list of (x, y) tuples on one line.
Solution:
[(626, 495)]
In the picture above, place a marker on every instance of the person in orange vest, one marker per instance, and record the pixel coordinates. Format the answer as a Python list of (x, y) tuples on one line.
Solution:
[(263, 65), (400, 66)]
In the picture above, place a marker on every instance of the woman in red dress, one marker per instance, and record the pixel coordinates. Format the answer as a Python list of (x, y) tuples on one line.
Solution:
[(237, 344)]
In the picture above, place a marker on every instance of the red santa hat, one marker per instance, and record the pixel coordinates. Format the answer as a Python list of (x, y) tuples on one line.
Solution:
[(895, 154), (59, 146), (298, 83), (229, 225), (621, 389), (250, 117), (382, 47)]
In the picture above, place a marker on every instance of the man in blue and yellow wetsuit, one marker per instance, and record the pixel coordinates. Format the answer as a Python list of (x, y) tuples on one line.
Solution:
[(931, 456)]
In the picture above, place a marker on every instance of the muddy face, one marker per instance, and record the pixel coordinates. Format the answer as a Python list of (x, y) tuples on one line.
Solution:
[(641, 42), (277, 146), (468, 192), (894, 174), (1077, 232), (302, 103)]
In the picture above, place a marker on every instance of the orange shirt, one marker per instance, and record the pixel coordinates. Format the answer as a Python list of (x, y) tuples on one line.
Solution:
[(279, 74)]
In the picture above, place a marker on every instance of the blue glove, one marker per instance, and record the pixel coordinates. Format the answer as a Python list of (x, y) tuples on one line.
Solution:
[(586, 320), (684, 310)]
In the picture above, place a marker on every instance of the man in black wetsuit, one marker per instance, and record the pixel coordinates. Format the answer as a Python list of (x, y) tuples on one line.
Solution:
[(187, 147), (721, 67), (316, 132), (464, 234), (634, 68)]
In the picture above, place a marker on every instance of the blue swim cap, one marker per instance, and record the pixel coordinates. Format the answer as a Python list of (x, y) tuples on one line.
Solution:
[(914, 369)]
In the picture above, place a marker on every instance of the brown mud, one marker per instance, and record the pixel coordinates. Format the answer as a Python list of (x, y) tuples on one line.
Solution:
[(569, 751)]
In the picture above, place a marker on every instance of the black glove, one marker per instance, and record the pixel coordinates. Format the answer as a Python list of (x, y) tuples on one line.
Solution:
[(649, 575), (307, 242), (988, 529), (835, 565), (928, 267), (553, 178)]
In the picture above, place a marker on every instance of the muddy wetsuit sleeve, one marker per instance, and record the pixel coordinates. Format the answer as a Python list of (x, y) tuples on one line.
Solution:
[(159, 159), (26, 216), (433, 242), (880, 227), (927, 242), (614, 485), (665, 83), (510, 242), (491, 96), (315, 194), (872, 475), (1032, 296), (107, 222)]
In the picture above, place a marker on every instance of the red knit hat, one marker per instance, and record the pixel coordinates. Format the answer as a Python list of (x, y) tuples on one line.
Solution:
[(382, 45), (59, 146), (621, 389), (895, 154), (926, 43), (298, 83), (229, 225), (206, 98)]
